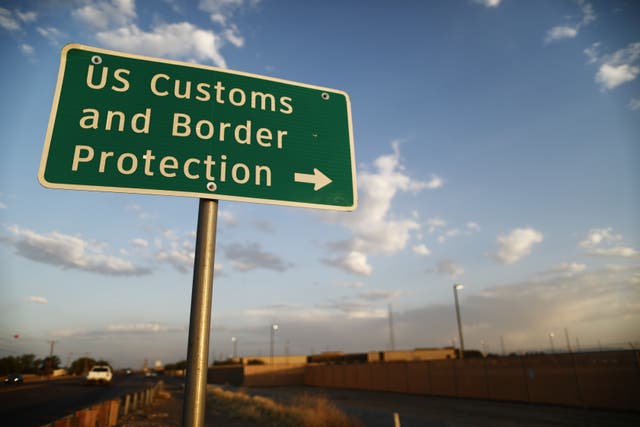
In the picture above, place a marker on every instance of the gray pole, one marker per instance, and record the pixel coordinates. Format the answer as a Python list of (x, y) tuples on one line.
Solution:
[(455, 294), (274, 328), (234, 340), (200, 320), (391, 335), (566, 337)]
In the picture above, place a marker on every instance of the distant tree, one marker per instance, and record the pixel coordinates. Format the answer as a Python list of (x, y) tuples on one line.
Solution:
[(8, 365), (49, 364), (176, 366), (81, 365), (27, 364), (255, 362)]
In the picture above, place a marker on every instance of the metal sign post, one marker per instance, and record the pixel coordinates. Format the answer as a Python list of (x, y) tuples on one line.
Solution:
[(193, 411)]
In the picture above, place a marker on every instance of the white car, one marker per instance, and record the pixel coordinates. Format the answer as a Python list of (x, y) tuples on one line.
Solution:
[(99, 374)]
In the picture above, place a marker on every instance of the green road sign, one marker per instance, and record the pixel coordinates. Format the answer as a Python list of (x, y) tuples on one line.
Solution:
[(134, 124)]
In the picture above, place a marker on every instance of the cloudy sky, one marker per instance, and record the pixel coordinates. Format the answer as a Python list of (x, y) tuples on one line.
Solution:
[(497, 146)]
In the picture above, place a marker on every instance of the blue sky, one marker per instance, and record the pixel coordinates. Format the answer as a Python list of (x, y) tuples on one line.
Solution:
[(496, 142)]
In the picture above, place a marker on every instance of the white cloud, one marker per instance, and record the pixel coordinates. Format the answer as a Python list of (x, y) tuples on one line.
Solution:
[(588, 14), (351, 285), (27, 16), (352, 262), (421, 249), (434, 182), (180, 41), (634, 104), (377, 295), (37, 300), (619, 67), (610, 76), (449, 268), (597, 236), (570, 31), (435, 223), (566, 269), (220, 6), (615, 251), (227, 218), (488, 3), (27, 49), (138, 327), (139, 211), (221, 12), (3, 205), (602, 242), (592, 52), (374, 230), (66, 251), (50, 33), (561, 32), (473, 226), (250, 256), (232, 35), (139, 243), (102, 15), (516, 244), (7, 20)]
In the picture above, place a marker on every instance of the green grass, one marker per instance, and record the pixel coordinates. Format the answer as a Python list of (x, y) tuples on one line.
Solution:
[(304, 411)]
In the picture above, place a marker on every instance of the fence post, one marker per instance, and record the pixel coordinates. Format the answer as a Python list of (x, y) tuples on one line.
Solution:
[(103, 414), (127, 402), (114, 408)]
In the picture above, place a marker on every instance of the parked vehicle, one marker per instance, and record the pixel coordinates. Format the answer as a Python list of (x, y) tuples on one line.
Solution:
[(100, 374)]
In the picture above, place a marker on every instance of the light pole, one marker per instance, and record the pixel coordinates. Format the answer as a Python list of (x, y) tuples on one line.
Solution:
[(274, 328), (234, 340), (551, 335), (455, 295)]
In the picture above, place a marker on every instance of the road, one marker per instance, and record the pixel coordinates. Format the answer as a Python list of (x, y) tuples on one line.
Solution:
[(375, 409), (37, 403)]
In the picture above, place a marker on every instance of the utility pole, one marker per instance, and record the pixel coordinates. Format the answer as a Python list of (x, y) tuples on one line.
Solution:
[(391, 337), (566, 336), (50, 362), (455, 295)]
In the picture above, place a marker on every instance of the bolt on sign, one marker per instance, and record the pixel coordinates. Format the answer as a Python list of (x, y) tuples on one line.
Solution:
[(134, 124)]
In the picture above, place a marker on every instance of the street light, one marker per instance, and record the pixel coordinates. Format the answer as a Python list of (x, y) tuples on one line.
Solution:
[(551, 335), (455, 295), (274, 328), (234, 340)]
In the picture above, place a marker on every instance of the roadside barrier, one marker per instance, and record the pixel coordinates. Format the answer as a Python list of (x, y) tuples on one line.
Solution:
[(107, 413), (607, 380)]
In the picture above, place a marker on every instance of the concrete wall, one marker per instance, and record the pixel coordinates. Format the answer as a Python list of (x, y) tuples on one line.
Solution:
[(601, 380), (294, 359), (257, 375), (420, 354)]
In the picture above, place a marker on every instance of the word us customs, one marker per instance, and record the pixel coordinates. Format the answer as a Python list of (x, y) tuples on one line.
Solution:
[(184, 128)]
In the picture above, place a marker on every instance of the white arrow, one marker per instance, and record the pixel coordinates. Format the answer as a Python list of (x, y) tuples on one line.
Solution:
[(317, 178)]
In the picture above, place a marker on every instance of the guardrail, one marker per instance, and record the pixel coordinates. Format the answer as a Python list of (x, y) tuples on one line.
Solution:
[(107, 413)]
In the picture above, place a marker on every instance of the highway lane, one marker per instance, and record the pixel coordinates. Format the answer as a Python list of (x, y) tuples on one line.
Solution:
[(38, 403)]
